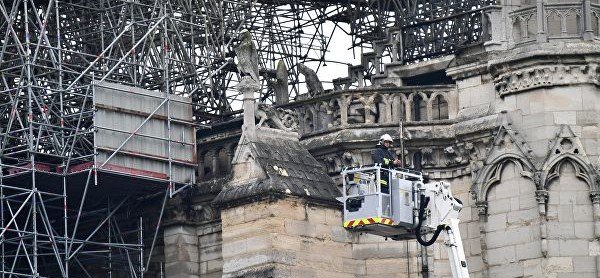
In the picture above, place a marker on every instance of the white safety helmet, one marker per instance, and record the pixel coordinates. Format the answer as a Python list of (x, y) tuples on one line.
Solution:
[(386, 137)]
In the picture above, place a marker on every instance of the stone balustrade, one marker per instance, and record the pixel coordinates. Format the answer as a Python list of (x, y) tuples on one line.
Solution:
[(555, 21), (376, 107)]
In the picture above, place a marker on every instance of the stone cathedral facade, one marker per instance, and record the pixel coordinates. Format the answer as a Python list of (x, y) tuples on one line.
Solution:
[(513, 125)]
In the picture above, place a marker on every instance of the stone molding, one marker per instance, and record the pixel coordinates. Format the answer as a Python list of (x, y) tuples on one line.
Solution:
[(546, 76)]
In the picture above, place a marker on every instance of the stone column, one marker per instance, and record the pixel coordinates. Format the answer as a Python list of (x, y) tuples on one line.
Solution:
[(395, 42), (361, 78), (377, 61), (408, 117), (229, 151), (200, 166), (181, 251), (429, 109), (588, 31), (482, 207), (395, 109), (541, 22), (344, 103), (595, 196), (370, 103), (247, 87), (214, 160), (542, 198), (495, 29), (387, 103), (401, 45)]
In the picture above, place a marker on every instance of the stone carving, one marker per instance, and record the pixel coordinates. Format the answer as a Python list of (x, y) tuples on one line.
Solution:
[(335, 110), (247, 56), (206, 212), (348, 159), (356, 109), (566, 142), (312, 80), (545, 76), (475, 160), (506, 141), (567, 145), (541, 196), (333, 163), (453, 157), (595, 196), (473, 195), (482, 208), (427, 156), (537, 179), (281, 83), (180, 209), (278, 118)]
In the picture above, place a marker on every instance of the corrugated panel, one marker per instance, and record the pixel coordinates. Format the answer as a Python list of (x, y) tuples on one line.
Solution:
[(136, 165), (136, 99), (107, 121), (121, 109)]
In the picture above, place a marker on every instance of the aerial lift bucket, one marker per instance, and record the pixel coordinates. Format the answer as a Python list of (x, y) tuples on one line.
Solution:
[(380, 201)]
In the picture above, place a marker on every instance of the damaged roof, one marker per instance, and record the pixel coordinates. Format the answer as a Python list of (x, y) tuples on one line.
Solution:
[(291, 171)]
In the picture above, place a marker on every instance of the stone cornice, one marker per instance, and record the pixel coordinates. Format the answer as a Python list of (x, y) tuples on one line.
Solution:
[(546, 76), (416, 130), (544, 53), (467, 70), (545, 65)]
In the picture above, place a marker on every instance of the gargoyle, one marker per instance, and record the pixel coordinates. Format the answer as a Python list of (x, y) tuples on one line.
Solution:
[(312, 80)]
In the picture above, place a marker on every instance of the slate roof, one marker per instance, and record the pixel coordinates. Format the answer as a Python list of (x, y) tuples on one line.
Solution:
[(291, 171)]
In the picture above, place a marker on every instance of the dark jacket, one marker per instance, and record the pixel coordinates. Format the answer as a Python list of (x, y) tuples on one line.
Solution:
[(382, 155)]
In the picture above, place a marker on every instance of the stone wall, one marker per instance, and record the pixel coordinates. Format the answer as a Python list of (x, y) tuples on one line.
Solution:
[(572, 247), (210, 246), (512, 230), (181, 251), (286, 238)]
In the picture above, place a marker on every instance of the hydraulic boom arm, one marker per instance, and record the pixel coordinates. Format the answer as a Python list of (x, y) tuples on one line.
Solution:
[(438, 212)]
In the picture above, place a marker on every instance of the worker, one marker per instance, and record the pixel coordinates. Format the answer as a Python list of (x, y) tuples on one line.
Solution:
[(382, 154), (384, 157)]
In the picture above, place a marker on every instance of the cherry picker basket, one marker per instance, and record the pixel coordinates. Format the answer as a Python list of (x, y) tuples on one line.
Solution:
[(380, 201)]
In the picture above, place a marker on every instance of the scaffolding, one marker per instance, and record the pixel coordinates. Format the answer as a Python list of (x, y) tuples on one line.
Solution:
[(74, 207)]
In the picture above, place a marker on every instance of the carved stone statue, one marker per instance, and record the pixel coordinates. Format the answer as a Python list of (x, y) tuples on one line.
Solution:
[(247, 56), (281, 83), (279, 118), (312, 80)]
